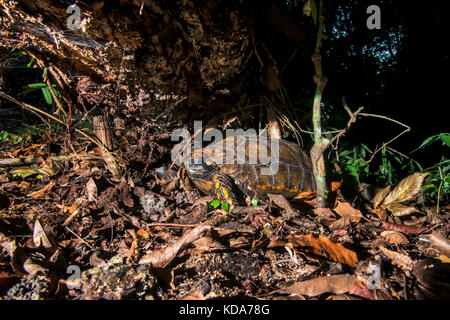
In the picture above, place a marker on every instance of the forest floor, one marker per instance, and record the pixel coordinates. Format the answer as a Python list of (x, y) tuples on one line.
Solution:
[(70, 229)]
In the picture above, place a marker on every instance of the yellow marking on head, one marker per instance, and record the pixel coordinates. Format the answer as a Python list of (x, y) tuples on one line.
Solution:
[(225, 193), (216, 177), (231, 207), (230, 201), (217, 185)]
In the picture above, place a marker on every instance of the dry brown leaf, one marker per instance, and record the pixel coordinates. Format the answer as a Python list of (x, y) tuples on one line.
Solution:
[(206, 244), (40, 193), (196, 295), (320, 246), (345, 209), (91, 190), (143, 233), (400, 260), (394, 237), (406, 189), (337, 284), (440, 243), (280, 201), (341, 223), (379, 197), (400, 210), (42, 238), (402, 228), (161, 258), (325, 212)]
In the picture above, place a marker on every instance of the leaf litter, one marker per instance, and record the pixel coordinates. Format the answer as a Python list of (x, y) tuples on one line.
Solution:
[(133, 235)]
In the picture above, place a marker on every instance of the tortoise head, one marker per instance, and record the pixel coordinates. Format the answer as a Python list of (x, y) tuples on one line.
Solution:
[(201, 173)]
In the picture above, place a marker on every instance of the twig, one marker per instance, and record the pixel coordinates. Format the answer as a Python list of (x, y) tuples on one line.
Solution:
[(171, 225), (349, 123), (10, 162), (377, 149), (80, 238), (31, 108)]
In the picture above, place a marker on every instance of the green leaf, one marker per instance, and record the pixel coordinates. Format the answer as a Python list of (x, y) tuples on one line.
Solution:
[(31, 62), (47, 95), (313, 11), (366, 148), (215, 203), (36, 85), (225, 206), (445, 138), (353, 171), (5, 135), (254, 202), (426, 142)]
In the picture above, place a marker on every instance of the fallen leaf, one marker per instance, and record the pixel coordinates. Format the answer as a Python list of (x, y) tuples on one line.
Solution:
[(280, 201), (400, 210), (406, 189), (341, 223), (324, 212), (161, 258), (400, 260), (440, 243), (320, 246), (91, 190), (337, 284), (379, 197), (345, 209), (42, 238), (143, 233), (40, 193), (394, 237), (434, 274), (196, 295), (402, 228)]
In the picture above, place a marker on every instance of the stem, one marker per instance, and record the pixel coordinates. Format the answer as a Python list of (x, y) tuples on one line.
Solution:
[(320, 142)]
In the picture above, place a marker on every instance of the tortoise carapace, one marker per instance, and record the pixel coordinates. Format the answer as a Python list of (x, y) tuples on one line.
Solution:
[(249, 172)]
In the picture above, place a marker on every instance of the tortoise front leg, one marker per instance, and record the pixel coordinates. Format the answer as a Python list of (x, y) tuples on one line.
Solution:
[(226, 190)]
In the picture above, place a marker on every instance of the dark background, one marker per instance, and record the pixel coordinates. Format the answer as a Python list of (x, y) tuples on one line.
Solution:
[(399, 71)]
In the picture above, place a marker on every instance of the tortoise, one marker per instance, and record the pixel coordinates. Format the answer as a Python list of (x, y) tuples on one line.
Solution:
[(249, 171)]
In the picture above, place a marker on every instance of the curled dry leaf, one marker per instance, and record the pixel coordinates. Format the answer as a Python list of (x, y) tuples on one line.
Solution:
[(406, 189), (337, 284), (43, 238), (400, 260), (161, 258), (402, 228), (91, 190), (379, 197), (400, 210), (440, 243), (320, 246), (40, 193), (394, 237)]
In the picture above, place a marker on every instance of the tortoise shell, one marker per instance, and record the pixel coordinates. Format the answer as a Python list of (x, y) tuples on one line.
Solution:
[(248, 162)]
